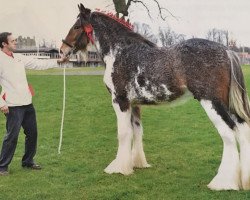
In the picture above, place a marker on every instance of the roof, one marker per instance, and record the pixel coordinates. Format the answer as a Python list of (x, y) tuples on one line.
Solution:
[(35, 50)]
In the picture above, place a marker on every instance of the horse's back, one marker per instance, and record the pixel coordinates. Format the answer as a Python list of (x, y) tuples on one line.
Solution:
[(196, 52)]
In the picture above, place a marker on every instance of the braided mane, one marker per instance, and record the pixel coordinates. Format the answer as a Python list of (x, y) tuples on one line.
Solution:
[(114, 17)]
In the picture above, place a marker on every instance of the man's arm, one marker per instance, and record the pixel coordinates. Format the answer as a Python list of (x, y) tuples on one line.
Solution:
[(38, 64)]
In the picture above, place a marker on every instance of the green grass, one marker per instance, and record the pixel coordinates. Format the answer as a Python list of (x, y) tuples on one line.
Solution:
[(60, 70), (180, 143)]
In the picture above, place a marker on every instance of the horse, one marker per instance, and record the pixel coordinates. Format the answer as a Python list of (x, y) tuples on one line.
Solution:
[(139, 72)]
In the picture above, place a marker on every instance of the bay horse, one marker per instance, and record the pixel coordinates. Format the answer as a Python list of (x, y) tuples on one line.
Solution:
[(138, 72)]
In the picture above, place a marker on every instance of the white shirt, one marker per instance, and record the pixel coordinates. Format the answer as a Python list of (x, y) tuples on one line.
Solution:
[(13, 78)]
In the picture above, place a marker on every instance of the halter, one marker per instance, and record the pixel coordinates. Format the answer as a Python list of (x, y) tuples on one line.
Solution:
[(88, 29), (73, 48)]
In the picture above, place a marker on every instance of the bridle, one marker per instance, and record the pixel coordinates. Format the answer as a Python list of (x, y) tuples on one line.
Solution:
[(73, 48), (88, 30)]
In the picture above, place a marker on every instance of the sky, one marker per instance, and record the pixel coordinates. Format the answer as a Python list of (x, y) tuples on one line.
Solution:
[(51, 19)]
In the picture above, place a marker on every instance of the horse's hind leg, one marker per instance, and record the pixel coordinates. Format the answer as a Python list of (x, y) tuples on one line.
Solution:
[(123, 161), (138, 155), (243, 135), (228, 176)]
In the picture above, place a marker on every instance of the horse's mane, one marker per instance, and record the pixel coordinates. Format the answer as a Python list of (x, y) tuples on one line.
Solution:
[(123, 27), (120, 20)]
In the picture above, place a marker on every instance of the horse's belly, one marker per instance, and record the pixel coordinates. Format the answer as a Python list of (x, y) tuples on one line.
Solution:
[(158, 95), (179, 100)]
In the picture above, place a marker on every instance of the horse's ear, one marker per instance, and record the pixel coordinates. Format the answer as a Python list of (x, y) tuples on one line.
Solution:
[(83, 10), (82, 7)]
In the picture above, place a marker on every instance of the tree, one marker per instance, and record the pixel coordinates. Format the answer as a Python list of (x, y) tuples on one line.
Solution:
[(218, 35), (122, 7), (168, 37), (146, 31)]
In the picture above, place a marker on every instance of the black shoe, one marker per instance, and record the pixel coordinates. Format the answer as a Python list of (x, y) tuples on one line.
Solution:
[(33, 166)]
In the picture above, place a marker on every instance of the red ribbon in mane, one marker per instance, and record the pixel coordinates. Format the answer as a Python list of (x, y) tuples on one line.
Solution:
[(113, 16), (89, 31)]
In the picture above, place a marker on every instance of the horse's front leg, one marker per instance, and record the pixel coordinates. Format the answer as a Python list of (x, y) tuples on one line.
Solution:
[(138, 155), (123, 161)]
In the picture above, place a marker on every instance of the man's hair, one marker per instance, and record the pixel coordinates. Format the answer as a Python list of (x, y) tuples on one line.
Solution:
[(4, 38)]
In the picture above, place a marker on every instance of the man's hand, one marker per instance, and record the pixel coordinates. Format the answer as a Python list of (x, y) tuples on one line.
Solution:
[(4, 109)]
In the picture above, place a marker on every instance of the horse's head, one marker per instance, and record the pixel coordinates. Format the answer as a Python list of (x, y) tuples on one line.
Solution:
[(80, 34)]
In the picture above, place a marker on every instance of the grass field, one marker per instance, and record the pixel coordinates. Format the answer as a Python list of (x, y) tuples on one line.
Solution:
[(180, 143), (56, 71)]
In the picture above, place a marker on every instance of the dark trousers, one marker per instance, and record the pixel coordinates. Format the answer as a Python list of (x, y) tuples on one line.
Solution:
[(19, 116)]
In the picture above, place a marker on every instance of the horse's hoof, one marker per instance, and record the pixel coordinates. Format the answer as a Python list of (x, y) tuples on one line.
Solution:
[(118, 167), (139, 165), (245, 183), (219, 184), (223, 187)]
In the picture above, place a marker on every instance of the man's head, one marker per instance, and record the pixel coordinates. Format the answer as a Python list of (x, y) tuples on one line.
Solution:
[(7, 41)]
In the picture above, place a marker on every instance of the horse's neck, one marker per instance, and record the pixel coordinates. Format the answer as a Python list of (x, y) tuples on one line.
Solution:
[(113, 37), (108, 40)]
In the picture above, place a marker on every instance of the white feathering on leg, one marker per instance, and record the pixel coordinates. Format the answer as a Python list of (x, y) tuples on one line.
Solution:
[(243, 134), (228, 176)]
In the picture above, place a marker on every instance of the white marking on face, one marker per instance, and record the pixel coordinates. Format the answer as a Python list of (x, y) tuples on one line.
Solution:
[(65, 50)]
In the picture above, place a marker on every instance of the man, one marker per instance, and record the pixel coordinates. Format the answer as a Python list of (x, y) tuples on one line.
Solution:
[(16, 103)]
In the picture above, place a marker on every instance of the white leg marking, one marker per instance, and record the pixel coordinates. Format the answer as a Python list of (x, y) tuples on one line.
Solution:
[(123, 161), (228, 176), (138, 155), (243, 133)]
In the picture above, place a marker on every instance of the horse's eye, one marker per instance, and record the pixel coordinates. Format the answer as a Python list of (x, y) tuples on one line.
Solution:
[(76, 27)]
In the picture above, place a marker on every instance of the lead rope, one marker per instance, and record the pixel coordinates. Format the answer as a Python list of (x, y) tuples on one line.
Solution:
[(64, 93), (63, 109)]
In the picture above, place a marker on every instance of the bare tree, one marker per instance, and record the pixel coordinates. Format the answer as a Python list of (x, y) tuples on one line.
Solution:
[(146, 31), (226, 37), (168, 37), (122, 7), (218, 35)]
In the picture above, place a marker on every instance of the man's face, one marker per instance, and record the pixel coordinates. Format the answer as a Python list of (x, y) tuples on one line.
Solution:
[(11, 46)]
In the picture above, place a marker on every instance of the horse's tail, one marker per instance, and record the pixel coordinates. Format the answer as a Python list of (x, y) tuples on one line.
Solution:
[(238, 99)]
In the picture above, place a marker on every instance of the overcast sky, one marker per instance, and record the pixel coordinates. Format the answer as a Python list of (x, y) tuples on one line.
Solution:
[(51, 19)]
